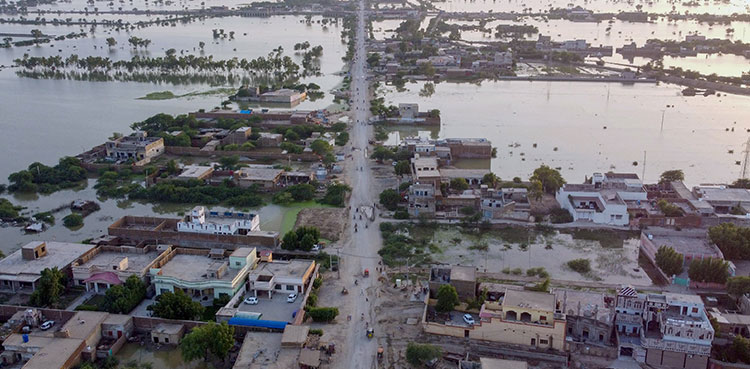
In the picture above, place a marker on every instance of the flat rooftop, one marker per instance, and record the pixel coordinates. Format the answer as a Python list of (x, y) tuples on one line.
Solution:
[(723, 194), (260, 174), (462, 173), (676, 298), (168, 328), (284, 269), (193, 268), (104, 260), (529, 300), (195, 171), (491, 363), (684, 243), (59, 255), (463, 273), (585, 304), (84, 323), (52, 351)]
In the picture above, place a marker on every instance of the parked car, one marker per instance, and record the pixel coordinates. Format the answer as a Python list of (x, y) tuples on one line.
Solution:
[(251, 300), (291, 298), (47, 325), (316, 247), (469, 319)]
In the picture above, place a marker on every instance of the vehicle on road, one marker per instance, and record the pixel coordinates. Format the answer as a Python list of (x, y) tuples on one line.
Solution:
[(47, 325), (366, 273), (370, 332), (469, 319), (291, 298), (251, 300)]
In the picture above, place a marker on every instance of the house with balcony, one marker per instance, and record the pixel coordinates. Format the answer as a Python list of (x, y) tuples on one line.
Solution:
[(137, 146), (225, 222), (292, 276), (520, 317), (107, 266), (421, 200), (204, 274), (663, 330), (604, 200)]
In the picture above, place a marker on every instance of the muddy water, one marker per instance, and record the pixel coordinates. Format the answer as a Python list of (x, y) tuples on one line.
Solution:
[(587, 127), (171, 359)]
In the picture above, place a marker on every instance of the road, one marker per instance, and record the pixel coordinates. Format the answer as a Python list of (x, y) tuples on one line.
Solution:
[(361, 249)]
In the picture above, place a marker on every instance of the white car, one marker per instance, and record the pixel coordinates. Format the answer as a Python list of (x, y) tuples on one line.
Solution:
[(469, 319), (316, 248), (47, 325), (291, 298), (251, 301)]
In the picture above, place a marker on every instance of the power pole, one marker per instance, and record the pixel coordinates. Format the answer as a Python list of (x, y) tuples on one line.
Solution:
[(643, 175), (744, 173)]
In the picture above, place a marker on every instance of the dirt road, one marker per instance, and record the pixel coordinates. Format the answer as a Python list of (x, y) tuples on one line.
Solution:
[(361, 244)]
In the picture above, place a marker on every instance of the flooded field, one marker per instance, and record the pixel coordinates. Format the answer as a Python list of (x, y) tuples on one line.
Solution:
[(587, 127), (42, 120), (608, 265), (651, 6)]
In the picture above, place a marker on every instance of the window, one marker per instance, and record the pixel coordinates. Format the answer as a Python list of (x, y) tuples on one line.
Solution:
[(694, 310), (543, 342), (166, 339), (237, 263), (543, 317), (278, 287), (289, 288)]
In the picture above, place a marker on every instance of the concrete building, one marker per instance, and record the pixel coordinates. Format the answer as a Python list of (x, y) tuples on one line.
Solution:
[(21, 270), (523, 318), (421, 200), (604, 200), (201, 276), (504, 203), (590, 321), (424, 170), (137, 146), (107, 266), (723, 199), (270, 139), (664, 330), (503, 59), (408, 111), (283, 96), (472, 176), (237, 137), (226, 222), (462, 278), (197, 172), (691, 244), (266, 178), (281, 276), (168, 334)]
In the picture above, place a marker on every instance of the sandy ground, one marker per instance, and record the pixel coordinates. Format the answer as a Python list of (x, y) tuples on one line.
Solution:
[(616, 266), (330, 221)]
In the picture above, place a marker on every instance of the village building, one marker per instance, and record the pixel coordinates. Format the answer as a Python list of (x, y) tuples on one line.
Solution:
[(421, 199), (237, 137), (195, 172), (590, 322), (21, 270), (107, 266), (167, 334), (137, 146), (267, 139), (725, 201), (424, 170), (462, 278), (604, 200), (266, 178), (665, 330), (225, 222), (691, 244), (291, 276), (202, 274)]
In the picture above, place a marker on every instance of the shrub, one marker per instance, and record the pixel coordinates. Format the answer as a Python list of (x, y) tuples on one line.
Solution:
[(312, 300), (582, 266), (418, 354), (516, 271), (73, 220), (317, 283), (322, 314), (316, 332), (558, 216), (401, 214)]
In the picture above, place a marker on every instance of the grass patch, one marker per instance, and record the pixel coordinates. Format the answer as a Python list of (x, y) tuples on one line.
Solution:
[(608, 239), (292, 210), (514, 234), (168, 95)]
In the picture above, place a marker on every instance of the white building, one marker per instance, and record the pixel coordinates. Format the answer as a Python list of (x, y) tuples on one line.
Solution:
[(574, 45), (604, 200), (503, 58), (220, 223)]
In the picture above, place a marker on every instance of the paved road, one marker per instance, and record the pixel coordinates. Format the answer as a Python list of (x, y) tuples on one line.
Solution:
[(361, 250)]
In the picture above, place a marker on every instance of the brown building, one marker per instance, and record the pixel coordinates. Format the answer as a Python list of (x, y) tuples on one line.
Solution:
[(462, 278)]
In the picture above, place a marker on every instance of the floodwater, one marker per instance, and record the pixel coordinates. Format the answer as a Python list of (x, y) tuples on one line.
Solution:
[(272, 217), (167, 359), (42, 120), (586, 127), (610, 6)]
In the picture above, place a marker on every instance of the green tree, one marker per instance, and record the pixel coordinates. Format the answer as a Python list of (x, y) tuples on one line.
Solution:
[(206, 340), (290, 241), (73, 220), (491, 180), (111, 42), (447, 298), (418, 354), (172, 167), (671, 176), (459, 184), (536, 190), (49, 288), (390, 199), (709, 270), (121, 299), (177, 305), (582, 266), (229, 162), (732, 240), (291, 135), (402, 168), (307, 242), (741, 183), (320, 147), (738, 286), (551, 179), (669, 260), (669, 209)]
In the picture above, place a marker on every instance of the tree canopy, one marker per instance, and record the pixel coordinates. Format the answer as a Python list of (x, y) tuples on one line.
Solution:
[(206, 340), (709, 270), (671, 176), (732, 240), (418, 354), (447, 298), (669, 260), (177, 305), (390, 199), (550, 178), (49, 288)]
